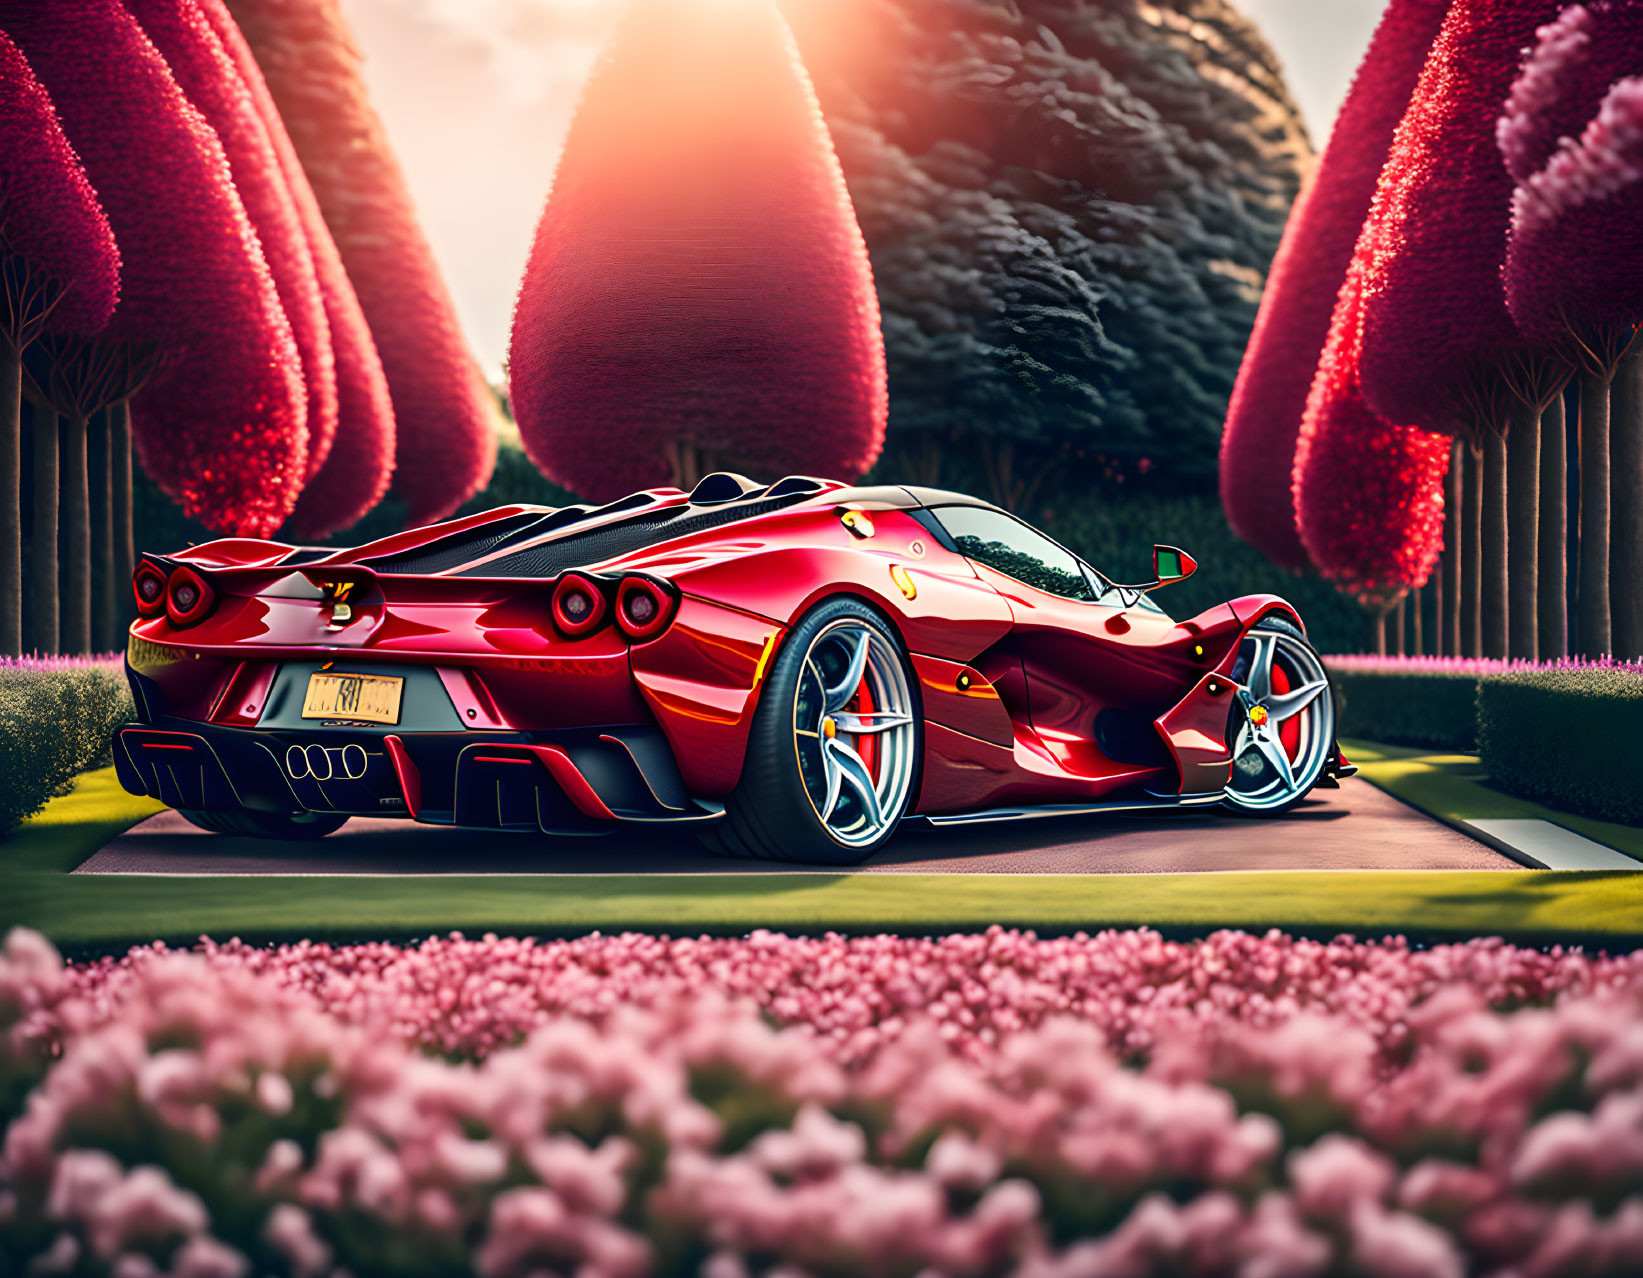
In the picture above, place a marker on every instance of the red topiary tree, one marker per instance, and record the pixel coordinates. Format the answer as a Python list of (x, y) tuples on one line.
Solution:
[(698, 292), (210, 81), (1440, 349), (1369, 494), (1573, 62), (221, 425), (1264, 417), (1565, 189), (1574, 277), (59, 270), (446, 417), (355, 475)]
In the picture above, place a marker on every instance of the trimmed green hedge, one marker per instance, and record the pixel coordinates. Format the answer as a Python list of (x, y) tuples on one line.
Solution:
[(55, 722), (1570, 738), (1433, 708)]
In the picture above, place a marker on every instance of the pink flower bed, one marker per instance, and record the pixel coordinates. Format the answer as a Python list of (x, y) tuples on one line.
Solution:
[(460, 996), (114, 661), (232, 1111), (1372, 663)]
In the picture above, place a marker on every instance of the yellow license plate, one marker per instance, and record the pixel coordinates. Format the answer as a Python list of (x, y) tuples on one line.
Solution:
[(372, 698)]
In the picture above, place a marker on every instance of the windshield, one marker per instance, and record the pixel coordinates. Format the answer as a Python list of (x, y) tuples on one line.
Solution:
[(1007, 545)]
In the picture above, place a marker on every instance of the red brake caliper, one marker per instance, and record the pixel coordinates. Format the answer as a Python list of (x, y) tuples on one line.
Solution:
[(867, 745), (1289, 731)]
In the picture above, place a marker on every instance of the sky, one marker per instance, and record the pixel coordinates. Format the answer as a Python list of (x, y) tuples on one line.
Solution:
[(477, 94)]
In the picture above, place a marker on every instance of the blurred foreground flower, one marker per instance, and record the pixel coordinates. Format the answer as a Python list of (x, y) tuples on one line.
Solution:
[(1307, 1109)]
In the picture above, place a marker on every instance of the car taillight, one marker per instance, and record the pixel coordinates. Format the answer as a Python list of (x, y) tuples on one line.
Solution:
[(148, 588), (188, 597), (579, 605), (643, 608)]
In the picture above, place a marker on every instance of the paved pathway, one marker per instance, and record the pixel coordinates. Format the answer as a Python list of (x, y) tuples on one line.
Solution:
[(1354, 828)]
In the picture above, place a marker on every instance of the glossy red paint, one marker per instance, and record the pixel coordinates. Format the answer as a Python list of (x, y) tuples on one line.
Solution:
[(700, 682), (475, 706), (571, 780), (244, 695), (1196, 731), (960, 697), (1014, 683), (410, 780)]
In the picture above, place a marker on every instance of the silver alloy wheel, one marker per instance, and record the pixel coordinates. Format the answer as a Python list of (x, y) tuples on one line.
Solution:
[(1264, 776), (852, 698)]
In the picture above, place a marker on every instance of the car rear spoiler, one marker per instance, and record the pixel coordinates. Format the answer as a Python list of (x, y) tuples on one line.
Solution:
[(325, 578)]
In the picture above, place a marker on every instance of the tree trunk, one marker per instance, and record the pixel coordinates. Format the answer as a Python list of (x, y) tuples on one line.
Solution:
[(1453, 550), (42, 599), (1592, 632), (685, 459), (125, 548), (1471, 611), (927, 460), (1552, 605), (1626, 504), (11, 501), (1523, 528), (1437, 616), (1417, 642), (1398, 610), (76, 617), (100, 462), (1493, 591), (1377, 627)]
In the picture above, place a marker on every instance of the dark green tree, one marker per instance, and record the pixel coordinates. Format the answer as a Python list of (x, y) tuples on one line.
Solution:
[(1070, 208)]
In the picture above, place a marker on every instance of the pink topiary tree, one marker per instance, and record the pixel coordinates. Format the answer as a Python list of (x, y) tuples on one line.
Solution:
[(1269, 398), (221, 425), (698, 293), (1572, 279), (59, 269), (355, 475), (1440, 349), (446, 417), (210, 81), (1369, 494)]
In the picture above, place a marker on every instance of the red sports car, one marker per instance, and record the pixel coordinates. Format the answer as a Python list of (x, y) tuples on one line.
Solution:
[(791, 669)]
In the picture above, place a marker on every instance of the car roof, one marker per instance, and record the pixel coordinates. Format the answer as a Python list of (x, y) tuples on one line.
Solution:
[(907, 497)]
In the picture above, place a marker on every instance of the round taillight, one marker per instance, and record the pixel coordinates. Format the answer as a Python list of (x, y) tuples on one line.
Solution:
[(148, 588), (643, 608), (188, 598), (579, 605)]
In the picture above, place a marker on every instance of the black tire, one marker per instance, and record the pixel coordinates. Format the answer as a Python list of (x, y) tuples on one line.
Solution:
[(770, 815), (1282, 626), (303, 827)]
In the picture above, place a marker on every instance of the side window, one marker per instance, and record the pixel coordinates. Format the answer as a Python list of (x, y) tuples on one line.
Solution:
[(1008, 546)]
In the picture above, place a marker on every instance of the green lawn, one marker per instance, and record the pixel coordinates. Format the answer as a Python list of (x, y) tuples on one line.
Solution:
[(104, 912), (1453, 788)]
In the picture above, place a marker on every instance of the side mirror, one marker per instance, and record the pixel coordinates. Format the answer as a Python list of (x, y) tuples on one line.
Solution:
[(1171, 564)]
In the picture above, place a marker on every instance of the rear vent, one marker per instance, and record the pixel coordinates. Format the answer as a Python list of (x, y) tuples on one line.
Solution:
[(596, 545), (796, 484), (465, 547), (456, 548), (722, 486), (307, 555)]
